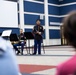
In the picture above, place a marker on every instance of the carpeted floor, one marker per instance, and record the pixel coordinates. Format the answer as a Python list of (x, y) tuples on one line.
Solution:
[(33, 68), (44, 64)]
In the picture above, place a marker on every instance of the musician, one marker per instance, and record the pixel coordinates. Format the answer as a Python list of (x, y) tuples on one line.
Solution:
[(22, 42), (38, 31)]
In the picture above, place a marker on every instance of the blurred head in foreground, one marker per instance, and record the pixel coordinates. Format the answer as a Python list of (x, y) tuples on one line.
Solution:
[(69, 31), (8, 64)]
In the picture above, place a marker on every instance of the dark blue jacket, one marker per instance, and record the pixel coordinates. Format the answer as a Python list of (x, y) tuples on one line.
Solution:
[(40, 29)]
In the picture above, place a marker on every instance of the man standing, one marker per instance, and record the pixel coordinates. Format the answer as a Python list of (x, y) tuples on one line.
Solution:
[(38, 31), (22, 42)]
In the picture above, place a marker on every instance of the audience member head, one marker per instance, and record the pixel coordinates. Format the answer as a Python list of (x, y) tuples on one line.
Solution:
[(69, 28)]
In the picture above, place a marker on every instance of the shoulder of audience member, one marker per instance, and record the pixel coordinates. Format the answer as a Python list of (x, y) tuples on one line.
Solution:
[(4, 44), (64, 64)]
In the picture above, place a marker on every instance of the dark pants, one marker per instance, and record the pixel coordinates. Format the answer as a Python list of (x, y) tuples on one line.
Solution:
[(19, 44), (37, 43)]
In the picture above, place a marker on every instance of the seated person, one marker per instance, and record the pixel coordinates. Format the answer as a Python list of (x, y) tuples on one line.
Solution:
[(22, 42)]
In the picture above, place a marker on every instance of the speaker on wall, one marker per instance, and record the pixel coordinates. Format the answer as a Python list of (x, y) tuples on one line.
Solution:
[(41, 17)]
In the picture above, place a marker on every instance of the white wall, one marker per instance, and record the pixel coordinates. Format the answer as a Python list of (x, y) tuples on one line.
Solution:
[(8, 14)]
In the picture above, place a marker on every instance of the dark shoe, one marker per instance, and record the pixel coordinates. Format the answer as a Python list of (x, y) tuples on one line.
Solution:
[(18, 53), (34, 54), (21, 53)]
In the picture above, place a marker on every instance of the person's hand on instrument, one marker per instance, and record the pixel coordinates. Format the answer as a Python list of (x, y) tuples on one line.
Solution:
[(39, 33)]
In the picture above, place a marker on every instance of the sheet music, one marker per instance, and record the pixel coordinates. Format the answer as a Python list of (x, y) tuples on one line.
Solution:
[(6, 33)]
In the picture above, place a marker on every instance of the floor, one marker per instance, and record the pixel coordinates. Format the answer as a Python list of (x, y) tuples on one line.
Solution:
[(44, 64)]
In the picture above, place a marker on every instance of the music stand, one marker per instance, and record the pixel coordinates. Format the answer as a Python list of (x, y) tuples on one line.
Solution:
[(6, 34), (13, 37), (29, 36)]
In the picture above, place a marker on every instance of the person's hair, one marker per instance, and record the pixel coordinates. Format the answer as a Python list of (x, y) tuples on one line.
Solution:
[(21, 29), (69, 28), (37, 20), (74, 73)]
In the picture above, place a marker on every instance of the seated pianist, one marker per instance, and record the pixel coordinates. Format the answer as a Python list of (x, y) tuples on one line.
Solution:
[(22, 42)]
